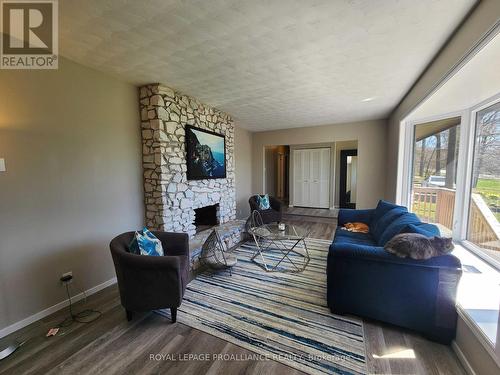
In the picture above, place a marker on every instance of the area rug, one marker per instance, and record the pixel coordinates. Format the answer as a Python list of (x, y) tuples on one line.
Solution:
[(279, 316)]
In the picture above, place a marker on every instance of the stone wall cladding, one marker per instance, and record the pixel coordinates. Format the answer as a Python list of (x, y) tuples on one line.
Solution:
[(170, 199)]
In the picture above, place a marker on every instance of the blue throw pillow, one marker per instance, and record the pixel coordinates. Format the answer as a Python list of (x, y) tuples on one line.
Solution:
[(397, 226), (133, 246), (146, 243), (378, 227), (383, 207), (264, 202), (428, 230)]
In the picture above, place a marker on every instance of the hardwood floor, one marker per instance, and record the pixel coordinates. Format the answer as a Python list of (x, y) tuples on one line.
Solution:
[(314, 212), (111, 345)]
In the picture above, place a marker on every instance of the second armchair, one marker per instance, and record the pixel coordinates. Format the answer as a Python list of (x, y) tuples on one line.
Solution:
[(272, 214)]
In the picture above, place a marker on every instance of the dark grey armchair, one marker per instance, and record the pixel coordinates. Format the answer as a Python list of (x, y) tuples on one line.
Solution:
[(274, 214), (152, 282)]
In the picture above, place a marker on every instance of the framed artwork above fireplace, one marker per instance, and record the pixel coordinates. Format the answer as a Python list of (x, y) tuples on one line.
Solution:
[(205, 154)]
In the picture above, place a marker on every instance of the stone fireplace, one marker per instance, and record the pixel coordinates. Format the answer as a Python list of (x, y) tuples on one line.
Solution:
[(171, 199), (206, 217)]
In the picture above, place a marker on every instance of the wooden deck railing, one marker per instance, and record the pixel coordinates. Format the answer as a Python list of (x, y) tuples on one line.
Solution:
[(483, 225), (436, 205)]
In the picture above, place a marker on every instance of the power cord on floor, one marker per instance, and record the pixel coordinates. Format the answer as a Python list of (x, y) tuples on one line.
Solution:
[(80, 317), (84, 316)]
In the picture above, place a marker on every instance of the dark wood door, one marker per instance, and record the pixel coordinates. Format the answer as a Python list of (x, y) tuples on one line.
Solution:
[(348, 178)]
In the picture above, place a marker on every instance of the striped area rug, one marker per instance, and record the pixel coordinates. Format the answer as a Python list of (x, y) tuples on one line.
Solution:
[(279, 316)]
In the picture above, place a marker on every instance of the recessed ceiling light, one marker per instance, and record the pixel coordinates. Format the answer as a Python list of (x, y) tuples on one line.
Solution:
[(368, 99)]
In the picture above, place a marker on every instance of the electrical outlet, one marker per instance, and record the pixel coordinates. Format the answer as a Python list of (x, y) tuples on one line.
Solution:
[(66, 277)]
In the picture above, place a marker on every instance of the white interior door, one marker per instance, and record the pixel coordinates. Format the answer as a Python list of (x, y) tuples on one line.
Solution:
[(324, 178), (311, 169), (314, 182), (297, 178)]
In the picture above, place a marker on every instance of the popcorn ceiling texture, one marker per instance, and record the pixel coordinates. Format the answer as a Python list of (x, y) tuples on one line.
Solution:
[(170, 199), (271, 64)]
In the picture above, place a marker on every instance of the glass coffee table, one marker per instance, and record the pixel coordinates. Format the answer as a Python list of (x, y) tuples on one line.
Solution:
[(280, 250)]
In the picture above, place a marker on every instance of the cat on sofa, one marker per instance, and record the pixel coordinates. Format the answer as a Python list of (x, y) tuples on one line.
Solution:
[(418, 246), (357, 227)]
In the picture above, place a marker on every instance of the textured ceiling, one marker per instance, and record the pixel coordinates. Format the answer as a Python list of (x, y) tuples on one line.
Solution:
[(270, 64)]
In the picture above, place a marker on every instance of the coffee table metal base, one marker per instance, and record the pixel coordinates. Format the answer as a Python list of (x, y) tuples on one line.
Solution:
[(285, 247)]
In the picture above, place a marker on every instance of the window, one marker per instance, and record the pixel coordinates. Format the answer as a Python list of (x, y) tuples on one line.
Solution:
[(434, 172), (483, 228), (449, 175), (451, 178)]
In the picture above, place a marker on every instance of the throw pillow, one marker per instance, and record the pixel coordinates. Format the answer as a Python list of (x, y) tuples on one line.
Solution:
[(146, 243), (378, 227), (428, 230), (382, 208), (264, 203), (397, 226)]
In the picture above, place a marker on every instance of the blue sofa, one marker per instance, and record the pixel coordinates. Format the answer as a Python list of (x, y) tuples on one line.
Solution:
[(365, 280)]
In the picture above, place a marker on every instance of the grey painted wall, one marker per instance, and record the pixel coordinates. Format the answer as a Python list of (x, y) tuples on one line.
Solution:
[(271, 159), (71, 142), (243, 170), (371, 138)]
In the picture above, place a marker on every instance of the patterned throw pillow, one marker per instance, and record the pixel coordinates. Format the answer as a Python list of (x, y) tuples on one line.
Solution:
[(264, 202), (146, 243)]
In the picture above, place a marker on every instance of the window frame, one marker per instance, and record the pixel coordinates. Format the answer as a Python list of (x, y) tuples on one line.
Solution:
[(464, 176), (408, 128), (467, 188), (465, 164)]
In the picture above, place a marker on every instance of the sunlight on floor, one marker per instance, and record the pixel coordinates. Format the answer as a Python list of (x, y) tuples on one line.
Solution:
[(402, 354)]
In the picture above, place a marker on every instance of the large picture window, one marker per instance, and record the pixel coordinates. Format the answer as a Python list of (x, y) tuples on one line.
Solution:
[(449, 175), (434, 172), (483, 228), (451, 178)]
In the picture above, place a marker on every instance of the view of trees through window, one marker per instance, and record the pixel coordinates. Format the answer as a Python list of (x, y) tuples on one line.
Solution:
[(434, 171), (484, 204)]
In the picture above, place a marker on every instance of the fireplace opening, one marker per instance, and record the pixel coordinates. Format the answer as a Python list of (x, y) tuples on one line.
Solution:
[(206, 217)]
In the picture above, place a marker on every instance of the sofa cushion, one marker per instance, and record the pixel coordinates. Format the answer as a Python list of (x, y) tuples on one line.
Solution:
[(345, 237), (428, 230), (382, 208), (353, 250), (397, 226), (350, 216), (378, 227), (361, 253)]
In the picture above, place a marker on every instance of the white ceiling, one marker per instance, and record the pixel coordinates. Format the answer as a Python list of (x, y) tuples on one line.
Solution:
[(270, 64), (474, 83)]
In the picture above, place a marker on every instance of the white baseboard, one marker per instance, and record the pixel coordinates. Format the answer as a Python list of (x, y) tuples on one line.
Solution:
[(463, 360), (42, 314)]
